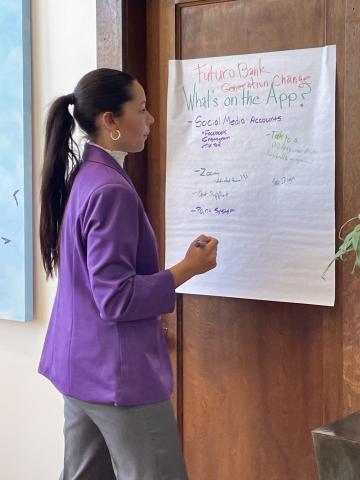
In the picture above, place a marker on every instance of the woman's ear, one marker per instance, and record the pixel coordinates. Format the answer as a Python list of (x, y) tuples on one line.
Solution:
[(108, 121)]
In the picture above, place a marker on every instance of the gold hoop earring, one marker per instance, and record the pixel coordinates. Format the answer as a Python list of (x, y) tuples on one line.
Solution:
[(118, 135)]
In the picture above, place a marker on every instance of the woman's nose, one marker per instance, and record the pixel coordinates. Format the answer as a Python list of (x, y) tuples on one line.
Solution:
[(151, 118)]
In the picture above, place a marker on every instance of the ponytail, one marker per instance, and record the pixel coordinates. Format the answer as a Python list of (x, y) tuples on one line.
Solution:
[(61, 163), (98, 91)]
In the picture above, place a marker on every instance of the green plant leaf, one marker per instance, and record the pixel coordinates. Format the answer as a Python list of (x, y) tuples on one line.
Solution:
[(356, 237), (351, 243)]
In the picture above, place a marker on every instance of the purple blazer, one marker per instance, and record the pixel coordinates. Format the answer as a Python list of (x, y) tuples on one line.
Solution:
[(104, 343)]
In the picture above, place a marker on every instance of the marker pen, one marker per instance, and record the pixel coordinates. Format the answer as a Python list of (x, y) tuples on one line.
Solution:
[(200, 243)]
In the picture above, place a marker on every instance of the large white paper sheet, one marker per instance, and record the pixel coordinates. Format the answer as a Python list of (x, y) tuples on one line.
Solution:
[(251, 161)]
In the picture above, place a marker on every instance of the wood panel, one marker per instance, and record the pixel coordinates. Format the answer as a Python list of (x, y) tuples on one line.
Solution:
[(134, 62), (351, 200), (161, 47), (126, 30), (121, 44), (255, 369), (333, 321), (251, 391), (256, 376), (215, 28)]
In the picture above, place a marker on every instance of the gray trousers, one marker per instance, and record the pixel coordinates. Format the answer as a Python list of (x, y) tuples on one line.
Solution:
[(107, 442)]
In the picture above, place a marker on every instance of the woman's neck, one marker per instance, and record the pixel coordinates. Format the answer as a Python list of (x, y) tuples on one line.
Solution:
[(118, 155)]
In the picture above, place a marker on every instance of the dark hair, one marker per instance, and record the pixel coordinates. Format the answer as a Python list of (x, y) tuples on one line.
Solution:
[(101, 90)]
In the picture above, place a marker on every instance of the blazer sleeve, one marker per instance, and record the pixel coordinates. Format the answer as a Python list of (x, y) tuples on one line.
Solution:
[(110, 226)]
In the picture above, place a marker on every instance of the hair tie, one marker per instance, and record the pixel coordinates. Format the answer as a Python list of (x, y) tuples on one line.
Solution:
[(70, 98)]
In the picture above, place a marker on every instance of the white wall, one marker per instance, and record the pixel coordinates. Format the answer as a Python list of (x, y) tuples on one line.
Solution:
[(31, 443)]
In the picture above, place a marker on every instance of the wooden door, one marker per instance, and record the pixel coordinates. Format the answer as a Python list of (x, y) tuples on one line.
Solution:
[(253, 378), (252, 382)]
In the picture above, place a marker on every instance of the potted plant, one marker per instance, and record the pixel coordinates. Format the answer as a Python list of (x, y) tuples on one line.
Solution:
[(351, 243)]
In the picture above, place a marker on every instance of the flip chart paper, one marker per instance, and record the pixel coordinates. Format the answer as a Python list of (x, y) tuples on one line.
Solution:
[(251, 161)]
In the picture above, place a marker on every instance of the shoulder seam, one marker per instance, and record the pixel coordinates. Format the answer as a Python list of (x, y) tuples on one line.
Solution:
[(130, 190)]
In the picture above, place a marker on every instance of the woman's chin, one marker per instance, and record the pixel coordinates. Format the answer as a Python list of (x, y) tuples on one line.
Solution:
[(137, 149)]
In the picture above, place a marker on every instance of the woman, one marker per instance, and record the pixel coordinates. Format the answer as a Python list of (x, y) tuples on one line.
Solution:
[(104, 349)]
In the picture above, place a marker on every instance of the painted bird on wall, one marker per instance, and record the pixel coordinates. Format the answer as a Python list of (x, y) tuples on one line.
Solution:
[(14, 195)]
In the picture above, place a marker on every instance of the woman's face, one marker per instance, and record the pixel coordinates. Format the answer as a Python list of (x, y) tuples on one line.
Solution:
[(134, 123)]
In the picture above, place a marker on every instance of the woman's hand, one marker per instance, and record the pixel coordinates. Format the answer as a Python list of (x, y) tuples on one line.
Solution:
[(200, 258)]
